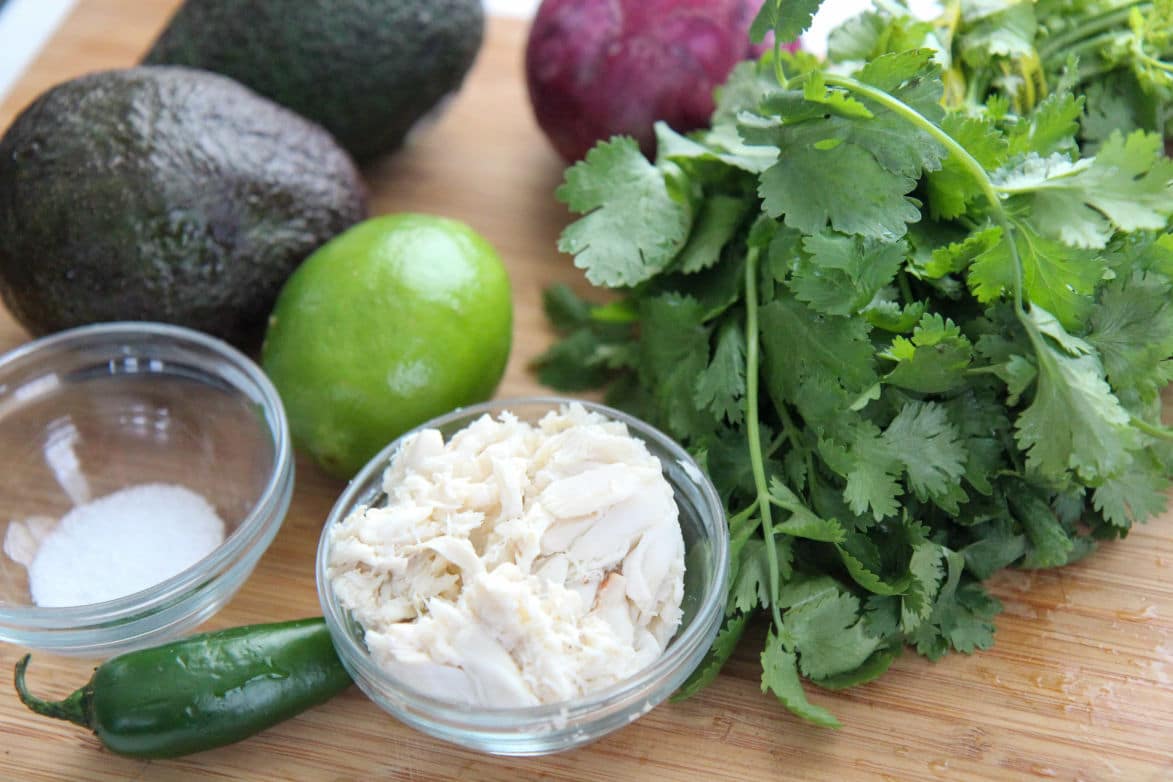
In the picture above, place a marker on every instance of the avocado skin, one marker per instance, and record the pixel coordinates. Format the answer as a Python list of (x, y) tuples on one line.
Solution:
[(365, 70), (165, 194)]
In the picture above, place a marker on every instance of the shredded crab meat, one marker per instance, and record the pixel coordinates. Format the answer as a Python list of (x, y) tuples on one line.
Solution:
[(516, 564)]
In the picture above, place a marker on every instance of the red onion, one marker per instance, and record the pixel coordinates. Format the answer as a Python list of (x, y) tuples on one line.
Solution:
[(596, 68)]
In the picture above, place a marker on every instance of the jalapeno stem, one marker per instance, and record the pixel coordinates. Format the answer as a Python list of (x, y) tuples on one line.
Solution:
[(74, 708)]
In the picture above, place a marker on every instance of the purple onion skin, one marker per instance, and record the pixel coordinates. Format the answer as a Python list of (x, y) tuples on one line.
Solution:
[(597, 68)]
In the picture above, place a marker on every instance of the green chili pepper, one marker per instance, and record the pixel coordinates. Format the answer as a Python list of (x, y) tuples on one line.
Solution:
[(202, 692)]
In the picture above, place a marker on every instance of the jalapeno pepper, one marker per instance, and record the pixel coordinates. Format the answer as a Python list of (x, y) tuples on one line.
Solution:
[(202, 692)]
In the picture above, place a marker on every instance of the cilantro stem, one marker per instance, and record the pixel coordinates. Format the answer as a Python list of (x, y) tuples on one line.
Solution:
[(791, 432), (753, 432), (779, 72), (776, 443), (1152, 430), (789, 429), (959, 153), (1151, 61), (1011, 449), (905, 288), (742, 514), (1086, 72), (1088, 27), (976, 88), (1092, 45)]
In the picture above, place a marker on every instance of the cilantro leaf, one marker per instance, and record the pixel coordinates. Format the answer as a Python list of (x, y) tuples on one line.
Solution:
[(574, 364), (927, 570), (718, 221), (1116, 104), (673, 330), (870, 162), (1050, 544), (565, 309), (997, 547), (1133, 496), (865, 574), (780, 676), (839, 275), (801, 344), (998, 29), (748, 83), (952, 188), (911, 75), (714, 660), (634, 223), (860, 196), (962, 616), (1126, 186), (721, 386), (882, 614), (983, 422), (752, 586), (803, 523), (1056, 277), (829, 635), (712, 151), (957, 256), (934, 360), (1132, 330), (929, 446), (835, 101), (673, 351), (870, 34), (1051, 128), (871, 470), (1074, 422), (787, 19), (967, 623), (888, 315), (914, 79), (869, 670), (803, 589)]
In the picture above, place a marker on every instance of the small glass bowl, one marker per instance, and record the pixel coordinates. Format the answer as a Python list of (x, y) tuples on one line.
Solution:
[(540, 730), (93, 410)]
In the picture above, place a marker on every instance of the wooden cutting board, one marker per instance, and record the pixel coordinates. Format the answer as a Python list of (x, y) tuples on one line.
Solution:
[(1078, 687)]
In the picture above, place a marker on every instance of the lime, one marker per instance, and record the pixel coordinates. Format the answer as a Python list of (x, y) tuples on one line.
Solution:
[(397, 320)]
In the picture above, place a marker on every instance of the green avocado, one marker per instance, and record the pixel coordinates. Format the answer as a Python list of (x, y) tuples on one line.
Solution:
[(366, 70), (166, 194)]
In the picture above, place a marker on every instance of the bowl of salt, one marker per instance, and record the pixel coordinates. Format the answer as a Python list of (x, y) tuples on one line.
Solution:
[(144, 469)]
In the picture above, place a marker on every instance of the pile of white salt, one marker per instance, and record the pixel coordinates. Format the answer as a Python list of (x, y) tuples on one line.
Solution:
[(116, 545)]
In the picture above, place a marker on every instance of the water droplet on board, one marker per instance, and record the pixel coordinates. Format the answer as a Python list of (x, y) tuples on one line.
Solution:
[(1138, 616)]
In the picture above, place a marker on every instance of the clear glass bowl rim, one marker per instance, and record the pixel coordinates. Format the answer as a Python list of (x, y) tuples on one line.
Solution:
[(263, 514), (641, 685)]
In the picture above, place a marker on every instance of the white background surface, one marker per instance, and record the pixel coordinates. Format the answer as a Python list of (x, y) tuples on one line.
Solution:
[(25, 25)]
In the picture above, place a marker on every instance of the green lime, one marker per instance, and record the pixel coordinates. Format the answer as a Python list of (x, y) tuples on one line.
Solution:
[(397, 320)]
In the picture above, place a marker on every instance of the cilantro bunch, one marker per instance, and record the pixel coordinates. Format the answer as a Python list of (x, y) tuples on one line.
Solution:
[(910, 345), (1117, 54)]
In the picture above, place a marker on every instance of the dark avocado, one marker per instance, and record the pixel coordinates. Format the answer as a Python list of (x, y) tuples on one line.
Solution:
[(365, 70), (166, 194)]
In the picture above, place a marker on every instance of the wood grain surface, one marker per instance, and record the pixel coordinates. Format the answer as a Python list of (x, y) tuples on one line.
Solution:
[(1078, 687)]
